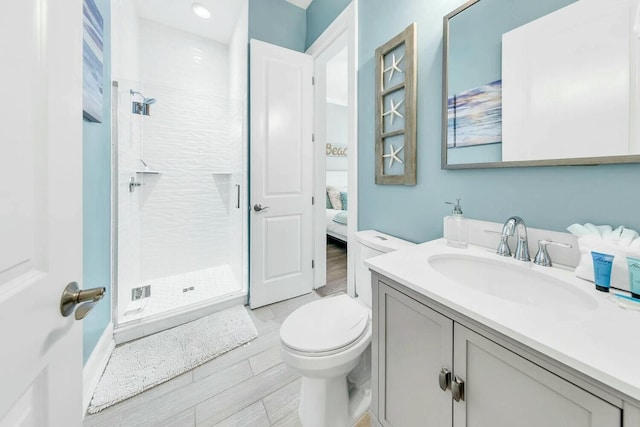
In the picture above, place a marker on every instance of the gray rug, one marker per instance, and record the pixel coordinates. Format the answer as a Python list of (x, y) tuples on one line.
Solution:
[(139, 365)]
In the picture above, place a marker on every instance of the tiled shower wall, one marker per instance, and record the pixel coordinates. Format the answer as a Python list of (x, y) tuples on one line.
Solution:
[(185, 209)]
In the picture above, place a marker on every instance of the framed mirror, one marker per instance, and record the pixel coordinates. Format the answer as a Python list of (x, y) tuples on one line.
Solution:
[(540, 83)]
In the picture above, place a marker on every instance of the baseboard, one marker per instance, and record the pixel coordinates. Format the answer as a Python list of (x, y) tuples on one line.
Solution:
[(94, 367)]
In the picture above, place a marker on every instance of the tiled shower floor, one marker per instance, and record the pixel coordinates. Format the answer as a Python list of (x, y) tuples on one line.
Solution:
[(168, 293)]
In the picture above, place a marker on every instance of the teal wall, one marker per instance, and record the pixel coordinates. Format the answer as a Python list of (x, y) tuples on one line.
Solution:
[(549, 197), (320, 14), (96, 227), (278, 22)]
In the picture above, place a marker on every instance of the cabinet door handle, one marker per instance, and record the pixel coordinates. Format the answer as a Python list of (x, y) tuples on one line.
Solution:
[(457, 389), (444, 379)]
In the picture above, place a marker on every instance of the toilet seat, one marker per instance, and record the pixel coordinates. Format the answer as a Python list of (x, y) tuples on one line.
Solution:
[(325, 327)]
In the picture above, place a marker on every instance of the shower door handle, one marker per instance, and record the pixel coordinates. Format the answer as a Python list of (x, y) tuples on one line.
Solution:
[(238, 196), (259, 208)]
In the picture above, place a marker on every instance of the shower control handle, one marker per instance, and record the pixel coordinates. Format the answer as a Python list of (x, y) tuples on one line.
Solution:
[(133, 183), (258, 207)]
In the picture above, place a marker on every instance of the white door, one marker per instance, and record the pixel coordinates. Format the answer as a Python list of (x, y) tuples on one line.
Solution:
[(40, 211), (281, 174)]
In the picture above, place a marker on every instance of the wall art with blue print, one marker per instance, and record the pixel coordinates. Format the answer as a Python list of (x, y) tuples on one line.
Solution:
[(475, 116), (92, 96)]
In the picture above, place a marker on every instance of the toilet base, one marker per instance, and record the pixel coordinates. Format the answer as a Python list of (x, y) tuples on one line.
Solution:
[(324, 402), (328, 402)]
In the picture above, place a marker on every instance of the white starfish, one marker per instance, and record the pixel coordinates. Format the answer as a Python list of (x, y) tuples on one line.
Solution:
[(394, 66), (393, 155), (394, 111)]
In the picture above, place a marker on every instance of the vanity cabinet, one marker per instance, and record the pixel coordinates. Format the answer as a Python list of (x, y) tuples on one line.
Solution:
[(412, 344)]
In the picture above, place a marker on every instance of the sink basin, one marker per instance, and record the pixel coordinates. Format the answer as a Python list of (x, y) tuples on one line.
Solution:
[(516, 283)]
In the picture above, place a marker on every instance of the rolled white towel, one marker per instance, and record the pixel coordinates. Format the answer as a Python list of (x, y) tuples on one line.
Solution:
[(635, 245), (604, 229), (592, 229), (613, 236), (578, 230), (627, 236)]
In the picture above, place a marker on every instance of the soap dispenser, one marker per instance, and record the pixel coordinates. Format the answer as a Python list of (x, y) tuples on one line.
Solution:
[(457, 228)]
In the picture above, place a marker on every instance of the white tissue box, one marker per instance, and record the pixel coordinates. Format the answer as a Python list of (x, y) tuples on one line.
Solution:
[(619, 272)]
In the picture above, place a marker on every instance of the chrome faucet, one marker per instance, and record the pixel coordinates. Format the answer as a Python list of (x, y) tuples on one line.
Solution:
[(517, 225)]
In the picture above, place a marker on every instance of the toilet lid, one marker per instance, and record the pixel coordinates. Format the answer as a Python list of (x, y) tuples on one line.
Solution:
[(325, 325)]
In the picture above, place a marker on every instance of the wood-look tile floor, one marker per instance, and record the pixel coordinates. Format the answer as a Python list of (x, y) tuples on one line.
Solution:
[(248, 386), (336, 269)]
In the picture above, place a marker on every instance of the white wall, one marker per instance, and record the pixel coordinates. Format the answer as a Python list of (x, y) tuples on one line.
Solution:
[(125, 54), (337, 134), (185, 210)]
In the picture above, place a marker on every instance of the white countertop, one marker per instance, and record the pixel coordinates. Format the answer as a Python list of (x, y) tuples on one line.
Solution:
[(603, 343)]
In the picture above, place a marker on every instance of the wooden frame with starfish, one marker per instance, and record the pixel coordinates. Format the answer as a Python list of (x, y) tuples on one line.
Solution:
[(408, 86)]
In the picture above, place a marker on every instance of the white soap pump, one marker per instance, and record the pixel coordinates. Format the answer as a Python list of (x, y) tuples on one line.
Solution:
[(457, 228)]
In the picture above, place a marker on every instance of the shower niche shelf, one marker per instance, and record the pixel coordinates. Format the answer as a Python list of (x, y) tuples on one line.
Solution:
[(149, 172)]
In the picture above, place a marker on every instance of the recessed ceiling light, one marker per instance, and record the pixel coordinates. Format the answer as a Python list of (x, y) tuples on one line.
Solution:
[(201, 11)]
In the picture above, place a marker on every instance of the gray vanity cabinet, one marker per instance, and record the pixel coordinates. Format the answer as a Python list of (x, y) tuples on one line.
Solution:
[(411, 345), (414, 343), (503, 389)]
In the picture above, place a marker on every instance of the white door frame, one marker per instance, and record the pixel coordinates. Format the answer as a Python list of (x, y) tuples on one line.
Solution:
[(345, 23)]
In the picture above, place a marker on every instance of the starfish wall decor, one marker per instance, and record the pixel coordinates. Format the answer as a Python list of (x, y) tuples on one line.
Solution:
[(395, 114), (394, 65), (394, 111), (393, 155)]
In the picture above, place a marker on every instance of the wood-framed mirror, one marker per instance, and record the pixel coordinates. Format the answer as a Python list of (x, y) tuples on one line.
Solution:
[(540, 83)]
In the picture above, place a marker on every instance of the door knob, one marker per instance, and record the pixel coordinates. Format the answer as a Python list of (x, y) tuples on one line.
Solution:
[(73, 296), (258, 207)]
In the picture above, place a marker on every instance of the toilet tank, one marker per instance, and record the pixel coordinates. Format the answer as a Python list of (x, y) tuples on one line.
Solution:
[(370, 243)]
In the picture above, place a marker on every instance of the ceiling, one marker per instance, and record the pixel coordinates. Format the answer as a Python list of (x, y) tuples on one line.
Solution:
[(178, 14), (301, 3)]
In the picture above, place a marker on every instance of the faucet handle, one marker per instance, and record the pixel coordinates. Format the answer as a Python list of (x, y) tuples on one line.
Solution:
[(542, 257), (503, 247)]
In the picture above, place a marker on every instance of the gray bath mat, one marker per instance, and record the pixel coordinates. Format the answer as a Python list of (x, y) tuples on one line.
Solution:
[(139, 365)]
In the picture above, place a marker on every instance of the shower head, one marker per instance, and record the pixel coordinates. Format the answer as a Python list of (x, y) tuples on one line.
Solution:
[(145, 100)]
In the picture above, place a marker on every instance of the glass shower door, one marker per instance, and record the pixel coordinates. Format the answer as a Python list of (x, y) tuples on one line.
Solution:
[(181, 172)]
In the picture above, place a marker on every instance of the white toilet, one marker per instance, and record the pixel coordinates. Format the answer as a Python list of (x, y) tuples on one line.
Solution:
[(327, 340)]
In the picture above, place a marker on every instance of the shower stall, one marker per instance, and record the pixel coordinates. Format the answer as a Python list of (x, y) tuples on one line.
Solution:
[(179, 173)]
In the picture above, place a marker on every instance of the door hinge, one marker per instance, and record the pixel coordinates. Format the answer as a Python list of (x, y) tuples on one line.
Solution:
[(313, 263), (313, 200)]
